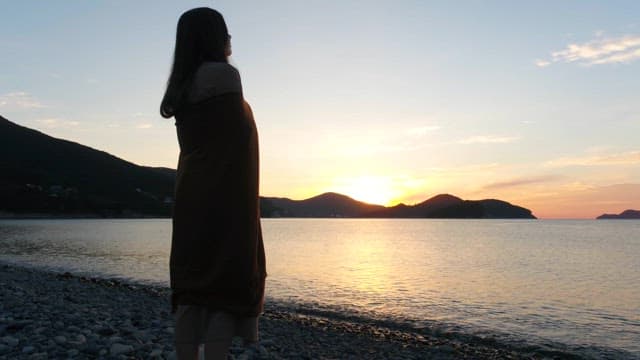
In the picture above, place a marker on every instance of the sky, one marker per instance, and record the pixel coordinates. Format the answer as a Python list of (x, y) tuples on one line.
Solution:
[(536, 103)]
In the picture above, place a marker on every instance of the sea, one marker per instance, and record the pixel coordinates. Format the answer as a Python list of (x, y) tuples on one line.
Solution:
[(571, 286)]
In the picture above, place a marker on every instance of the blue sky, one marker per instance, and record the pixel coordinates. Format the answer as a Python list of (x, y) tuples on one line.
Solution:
[(535, 103)]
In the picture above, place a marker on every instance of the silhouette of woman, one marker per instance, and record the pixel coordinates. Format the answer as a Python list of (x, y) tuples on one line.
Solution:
[(217, 263)]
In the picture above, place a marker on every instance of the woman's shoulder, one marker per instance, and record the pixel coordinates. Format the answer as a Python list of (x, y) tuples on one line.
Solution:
[(214, 78), (217, 68)]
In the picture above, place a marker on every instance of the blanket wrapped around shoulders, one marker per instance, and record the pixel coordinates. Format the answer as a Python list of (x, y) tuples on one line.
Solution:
[(217, 254)]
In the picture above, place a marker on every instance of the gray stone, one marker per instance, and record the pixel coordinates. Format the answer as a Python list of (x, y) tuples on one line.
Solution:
[(28, 349), (4, 349), (11, 341), (73, 352), (73, 328), (117, 349), (263, 351), (80, 339), (39, 356), (115, 339), (155, 353), (60, 339), (105, 331), (91, 349)]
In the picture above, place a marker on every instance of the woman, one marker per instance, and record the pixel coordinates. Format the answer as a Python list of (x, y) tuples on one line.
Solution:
[(217, 263)]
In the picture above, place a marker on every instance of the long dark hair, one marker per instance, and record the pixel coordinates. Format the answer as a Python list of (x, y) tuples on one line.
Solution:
[(201, 36)]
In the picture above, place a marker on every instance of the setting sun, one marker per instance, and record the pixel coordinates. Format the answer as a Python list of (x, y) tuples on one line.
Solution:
[(370, 189)]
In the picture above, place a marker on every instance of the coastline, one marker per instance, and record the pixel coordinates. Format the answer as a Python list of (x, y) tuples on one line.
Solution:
[(45, 314)]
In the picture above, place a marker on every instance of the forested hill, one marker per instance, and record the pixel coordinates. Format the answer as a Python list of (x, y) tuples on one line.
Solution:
[(43, 174)]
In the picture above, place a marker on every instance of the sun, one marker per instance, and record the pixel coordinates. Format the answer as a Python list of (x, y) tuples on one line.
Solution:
[(370, 189)]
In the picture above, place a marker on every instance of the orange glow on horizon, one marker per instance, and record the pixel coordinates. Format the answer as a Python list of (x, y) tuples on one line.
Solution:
[(379, 190)]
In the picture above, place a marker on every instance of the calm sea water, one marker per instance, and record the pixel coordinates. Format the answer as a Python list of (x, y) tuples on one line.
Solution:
[(543, 282)]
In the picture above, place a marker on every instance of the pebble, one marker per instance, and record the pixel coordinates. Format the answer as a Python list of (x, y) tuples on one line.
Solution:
[(81, 339), (28, 349), (60, 339), (11, 341), (73, 352), (117, 349)]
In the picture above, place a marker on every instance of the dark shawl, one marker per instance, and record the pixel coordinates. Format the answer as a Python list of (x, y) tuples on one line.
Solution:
[(217, 255)]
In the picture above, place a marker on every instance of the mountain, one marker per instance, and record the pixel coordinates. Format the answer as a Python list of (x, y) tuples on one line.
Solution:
[(43, 174), (40, 174), (324, 205), (440, 206), (424, 209), (625, 215)]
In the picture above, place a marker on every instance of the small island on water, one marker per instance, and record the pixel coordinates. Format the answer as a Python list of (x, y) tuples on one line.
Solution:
[(43, 176), (625, 215)]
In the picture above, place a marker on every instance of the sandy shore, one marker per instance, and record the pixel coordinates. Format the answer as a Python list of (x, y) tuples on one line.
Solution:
[(47, 315)]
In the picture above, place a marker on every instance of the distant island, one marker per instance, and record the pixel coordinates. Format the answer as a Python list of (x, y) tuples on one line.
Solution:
[(625, 215), (44, 176)]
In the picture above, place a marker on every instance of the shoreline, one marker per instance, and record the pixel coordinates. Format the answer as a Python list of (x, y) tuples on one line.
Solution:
[(45, 314)]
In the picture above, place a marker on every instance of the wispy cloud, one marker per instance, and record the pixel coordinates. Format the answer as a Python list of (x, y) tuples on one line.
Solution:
[(620, 50), (488, 139), (519, 182), (542, 63), (625, 158), (51, 123), (20, 100), (143, 120)]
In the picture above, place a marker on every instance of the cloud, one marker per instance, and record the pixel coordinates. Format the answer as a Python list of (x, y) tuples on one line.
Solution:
[(542, 63), (620, 50), (625, 158), (519, 182), (144, 126), (51, 123), (20, 100), (487, 139)]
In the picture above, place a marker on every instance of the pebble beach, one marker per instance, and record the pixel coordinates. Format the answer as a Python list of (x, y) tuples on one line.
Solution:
[(49, 315)]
